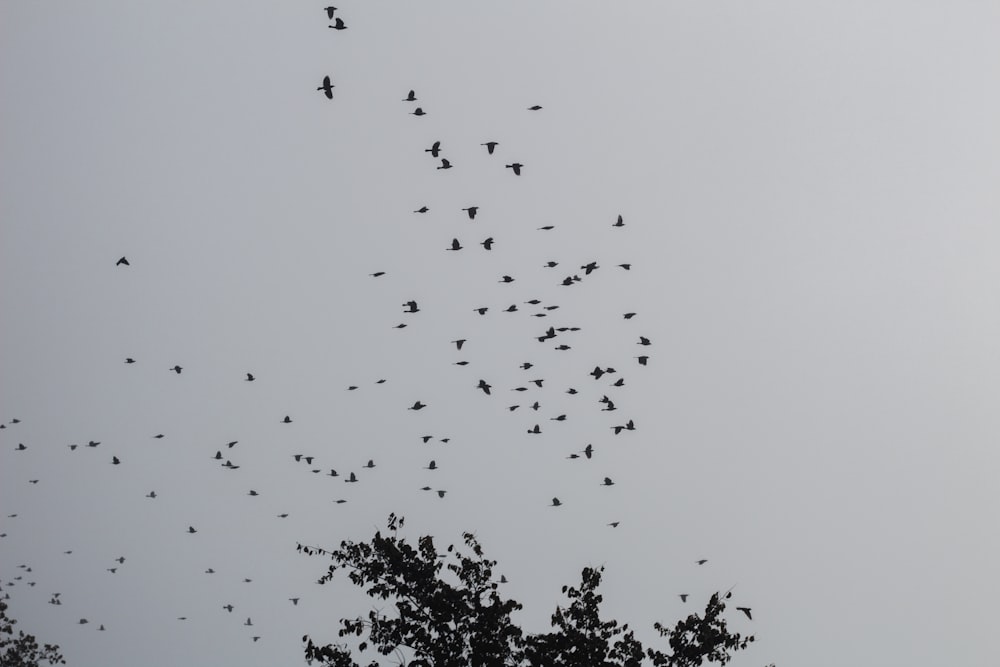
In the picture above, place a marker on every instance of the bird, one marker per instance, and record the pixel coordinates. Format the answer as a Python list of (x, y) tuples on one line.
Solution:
[(248, 621), (441, 493), (484, 386), (20, 447), (351, 478), (410, 96), (614, 524), (253, 493), (683, 597), (607, 482), (620, 222), (589, 268), (294, 601), (472, 210), (643, 360), (250, 377), (129, 360), (191, 530), (459, 343), (536, 107), (745, 610), (418, 112), (455, 245), (551, 265), (151, 494), (338, 24), (516, 167), (556, 502), (115, 460), (505, 279), (417, 406), (628, 316), (432, 465), (481, 311), (329, 11), (546, 228), (490, 145), (701, 561), (535, 430), (588, 451), (176, 369), (327, 87), (370, 464), (377, 274), (411, 307), (643, 341), (434, 150), (228, 607), (626, 266), (122, 262), (286, 420)]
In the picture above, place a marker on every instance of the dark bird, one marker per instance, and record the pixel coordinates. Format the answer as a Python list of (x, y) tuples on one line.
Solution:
[(490, 145), (283, 515), (745, 610), (627, 267), (560, 418), (426, 438), (129, 360), (333, 473), (294, 601), (589, 268), (481, 311), (338, 24), (472, 210), (191, 530), (370, 464), (536, 430), (327, 88), (546, 228), (484, 386), (628, 316), (176, 369), (461, 363), (351, 478), (122, 262), (422, 209), (20, 447), (411, 96), (114, 460), (701, 561), (431, 466), (250, 377), (512, 308), (488, 243), (411, 307), (434, 150), (418, 112), (607, 482), (286, 420), (377, 274), (253, 493), (597, 372), (644, 341), (588, 451), (556, 502), (534, 108), (683, 597), (232, 443), (526, 365), (151, 494), (620, 222), (441, 493), (506, 279), (516, 167), (620, 382), (551, 265), (399, 326), (614, 524), (417, 406), (643, 360), (228, 608), (459, 343), (455, 245)]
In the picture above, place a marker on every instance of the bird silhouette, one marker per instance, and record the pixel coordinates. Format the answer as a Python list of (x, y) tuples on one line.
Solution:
[(417, 406), (228, 607), (628, 316), (455, 245), (535, 108), (129, 360), (459, 343), (327, 87), (506, 279), (535, 430), (191, 530), (516, 167), (643, 341), (294, 601), (472, 210), (338, 24), (683, 597), (556, 502), (410, 96), (114, 460), (627, 267), (490, 145), (481, 311), (620, 222), (432, 465), (418, 112), (607, 482), (643, 360), (176, 369), (250, 377), (745, 610), (377, 274), (122, 262), (370, 464), (422, 209), (701, 561), (435, 149), (484, 386), (411, 307), (286, 420)]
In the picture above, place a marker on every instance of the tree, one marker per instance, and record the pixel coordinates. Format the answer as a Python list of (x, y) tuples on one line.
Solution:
[(448, 612), (23, 650)]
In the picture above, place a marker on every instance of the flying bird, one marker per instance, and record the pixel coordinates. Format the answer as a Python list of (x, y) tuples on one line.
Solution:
[(556, 502), (286, 420), (377, 274), (628, 316), (643, 360), (490, 145), (516, 167), (435, 149), (329, 11), (122, 262), (129, 360), (411, 307), (506, 279), (472, 210), (488, 243), (701, 561), (418, 112), (535, 108), (422, 209), (431, 466), (455, 245), (250, 377), (620, 222), (191, 530), (607, 482), (176, 369), (338, 24), (327, 87), (459, 343), (745, 610), (410, 96), (351, 478), (417, 406), (484, 386), (644, 341)]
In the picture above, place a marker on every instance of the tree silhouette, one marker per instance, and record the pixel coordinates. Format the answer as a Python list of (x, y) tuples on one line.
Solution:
[(23, 650), (448, 612)]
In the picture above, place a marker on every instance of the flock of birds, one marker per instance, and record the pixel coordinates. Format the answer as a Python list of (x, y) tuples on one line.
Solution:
[(596, 384)]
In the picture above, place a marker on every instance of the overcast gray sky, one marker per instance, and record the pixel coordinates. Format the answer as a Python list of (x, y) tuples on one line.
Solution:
[(809, 192)]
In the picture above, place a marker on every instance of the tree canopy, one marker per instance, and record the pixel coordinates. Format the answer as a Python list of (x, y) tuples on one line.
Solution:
[(448, 612), (22, 649)]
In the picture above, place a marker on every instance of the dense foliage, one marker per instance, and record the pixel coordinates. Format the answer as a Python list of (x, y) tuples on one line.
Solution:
[(449, 613), (23, 650)]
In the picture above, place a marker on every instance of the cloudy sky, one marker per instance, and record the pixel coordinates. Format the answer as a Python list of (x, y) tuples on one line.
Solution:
[(810, 206)]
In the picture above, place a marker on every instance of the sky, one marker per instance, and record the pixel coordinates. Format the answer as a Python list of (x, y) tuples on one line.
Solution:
[(810, 213)]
